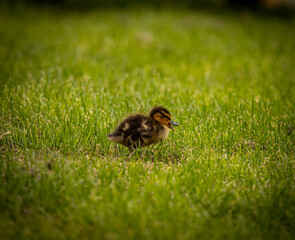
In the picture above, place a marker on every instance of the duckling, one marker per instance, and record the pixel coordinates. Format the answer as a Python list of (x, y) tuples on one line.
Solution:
[(142, 130)]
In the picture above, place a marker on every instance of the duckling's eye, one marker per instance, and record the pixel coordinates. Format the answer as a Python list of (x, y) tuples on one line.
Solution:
[(161, 117)]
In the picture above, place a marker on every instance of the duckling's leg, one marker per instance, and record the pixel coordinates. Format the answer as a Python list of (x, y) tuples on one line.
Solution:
[(135, 144), (116, 150), (131, 148), (132, 144)]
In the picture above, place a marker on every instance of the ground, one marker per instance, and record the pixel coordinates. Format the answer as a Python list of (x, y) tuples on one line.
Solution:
[(68, 77)]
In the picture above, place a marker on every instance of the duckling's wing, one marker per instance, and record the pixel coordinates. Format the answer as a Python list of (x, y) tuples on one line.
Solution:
[(145, 129), (128, 131)]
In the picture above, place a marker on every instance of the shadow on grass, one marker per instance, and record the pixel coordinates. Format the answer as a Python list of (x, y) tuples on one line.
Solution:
[(158, 153)]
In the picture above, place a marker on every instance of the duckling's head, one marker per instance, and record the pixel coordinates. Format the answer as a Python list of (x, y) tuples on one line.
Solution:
[(163, 116)]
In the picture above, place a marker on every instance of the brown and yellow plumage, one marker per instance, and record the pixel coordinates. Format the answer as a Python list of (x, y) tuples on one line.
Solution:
[(142, 130)]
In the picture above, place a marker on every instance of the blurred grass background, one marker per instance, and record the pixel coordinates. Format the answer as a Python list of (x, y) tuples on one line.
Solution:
[(68, 76), (159, 3)]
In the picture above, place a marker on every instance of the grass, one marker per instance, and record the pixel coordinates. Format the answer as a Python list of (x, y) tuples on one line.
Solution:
[(67, 78)]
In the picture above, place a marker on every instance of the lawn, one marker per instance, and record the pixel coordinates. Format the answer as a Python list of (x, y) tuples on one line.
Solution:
[(67, 78)]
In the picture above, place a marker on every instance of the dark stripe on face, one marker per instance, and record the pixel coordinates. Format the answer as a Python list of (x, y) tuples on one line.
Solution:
[(165, 116)]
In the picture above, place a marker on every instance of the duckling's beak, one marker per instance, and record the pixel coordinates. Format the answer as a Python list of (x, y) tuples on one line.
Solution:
[(174, 124)]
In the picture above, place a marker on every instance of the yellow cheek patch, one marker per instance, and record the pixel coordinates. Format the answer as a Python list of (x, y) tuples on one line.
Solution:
[(158, 115)]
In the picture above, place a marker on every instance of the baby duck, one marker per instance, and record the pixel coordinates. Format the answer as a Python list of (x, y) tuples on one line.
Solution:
[(142, 130)]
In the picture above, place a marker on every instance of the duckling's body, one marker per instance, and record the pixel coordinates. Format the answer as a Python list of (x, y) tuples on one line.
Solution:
[(141, 130)]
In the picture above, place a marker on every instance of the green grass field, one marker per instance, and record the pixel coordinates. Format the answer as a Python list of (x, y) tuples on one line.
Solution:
[(68, 78)]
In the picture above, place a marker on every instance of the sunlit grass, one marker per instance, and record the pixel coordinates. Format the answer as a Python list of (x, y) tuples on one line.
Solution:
[(67, 78)]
